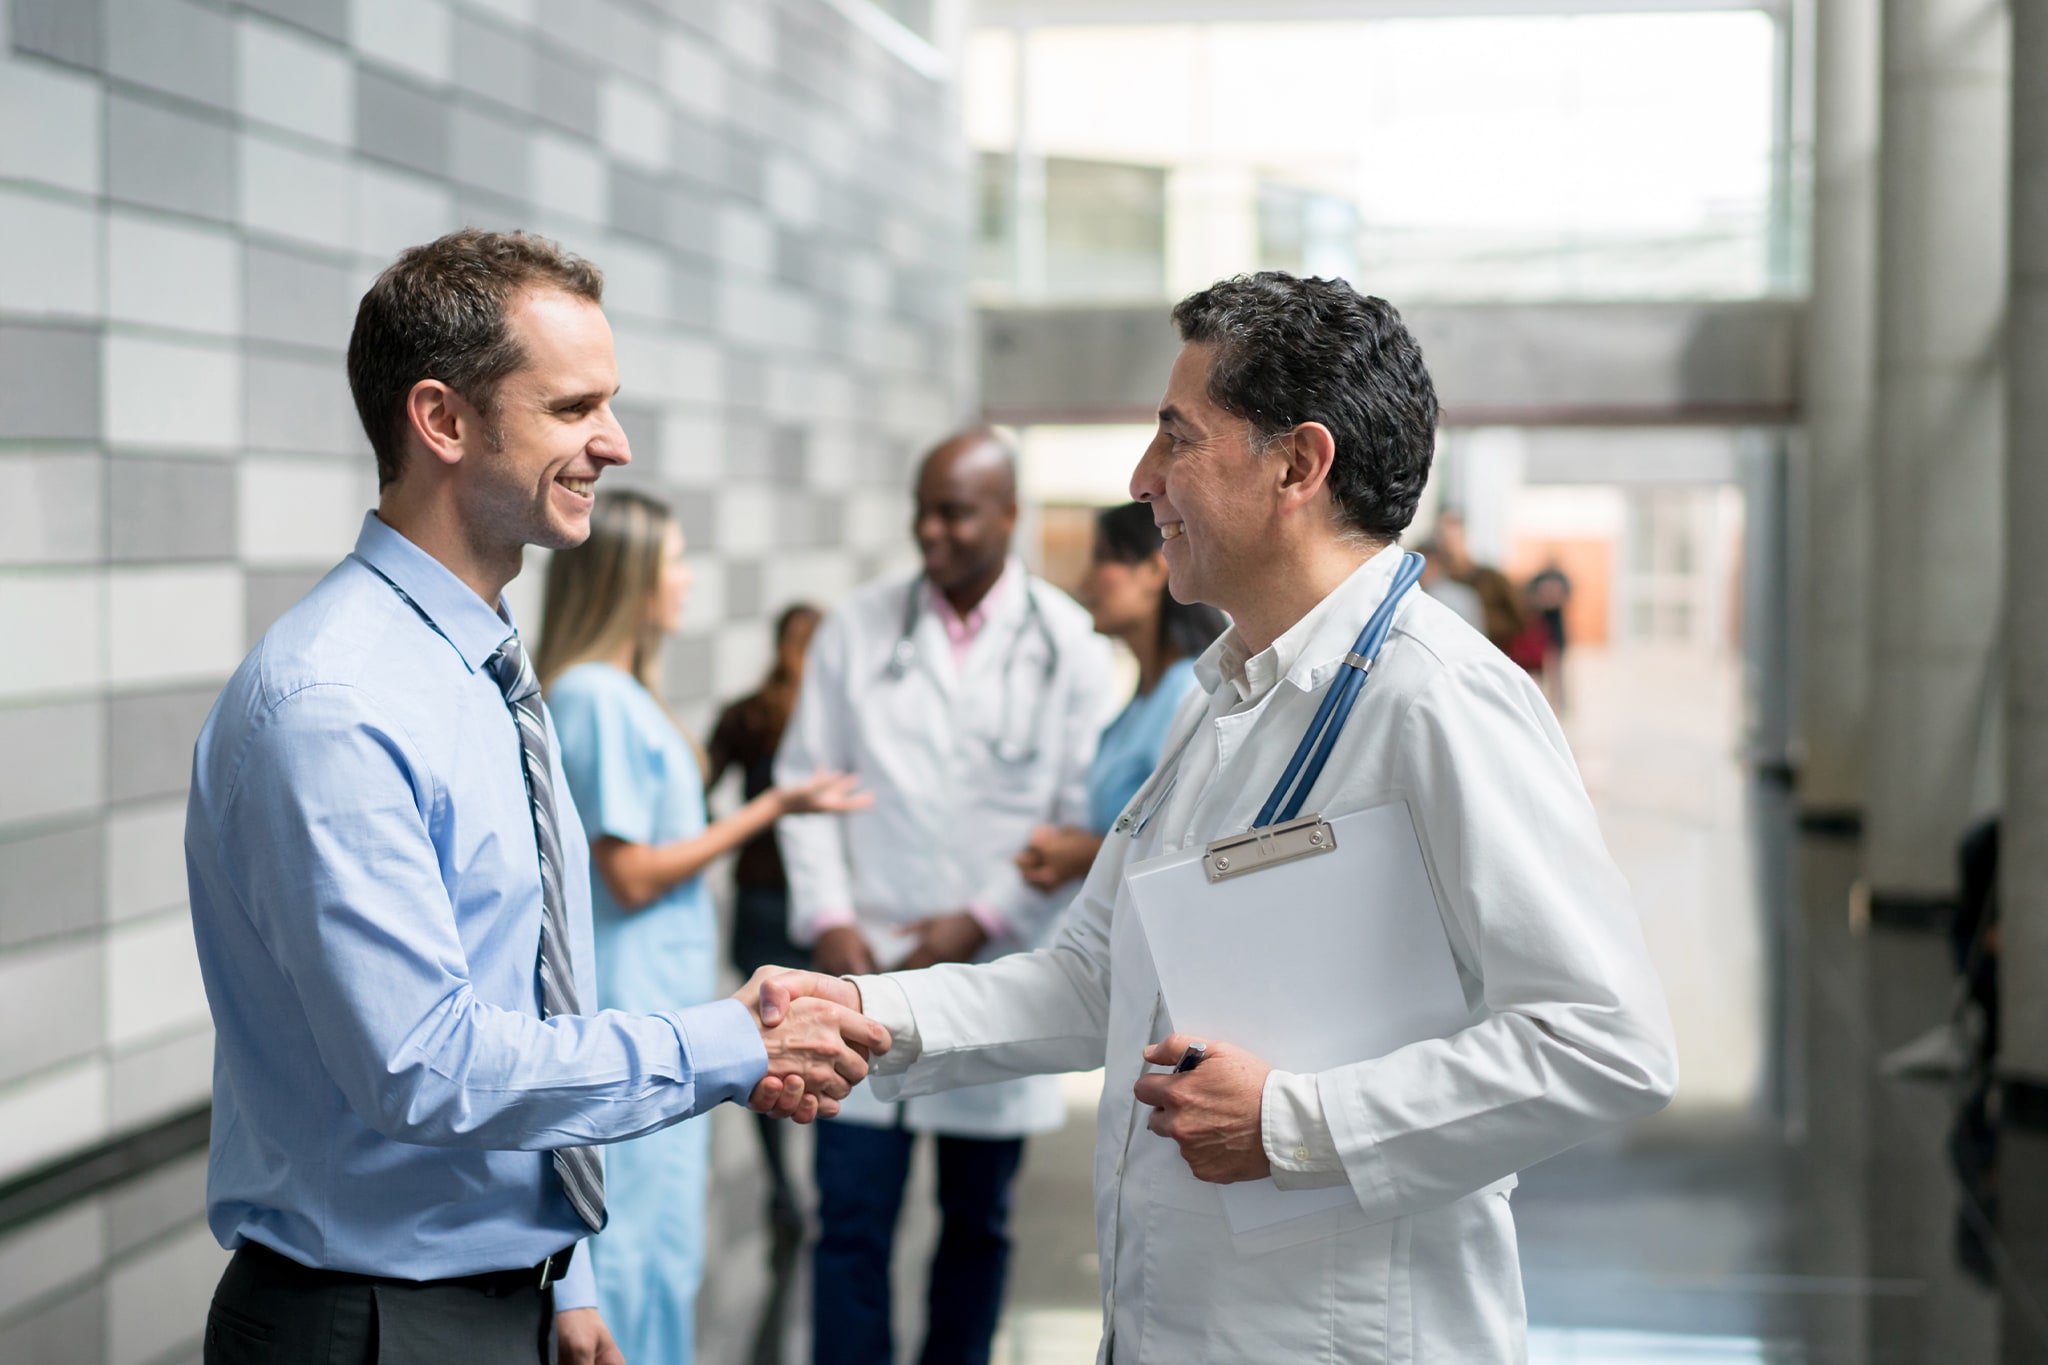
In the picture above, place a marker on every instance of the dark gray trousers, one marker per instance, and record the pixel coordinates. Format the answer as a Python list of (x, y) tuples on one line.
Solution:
[(268, 1311)]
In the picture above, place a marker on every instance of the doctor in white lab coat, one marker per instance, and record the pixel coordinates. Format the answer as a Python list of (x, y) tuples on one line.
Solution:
[(968, 699), (1293, 442)]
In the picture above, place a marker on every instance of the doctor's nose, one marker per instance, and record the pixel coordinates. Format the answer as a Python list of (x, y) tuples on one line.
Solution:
[(1146, 483)]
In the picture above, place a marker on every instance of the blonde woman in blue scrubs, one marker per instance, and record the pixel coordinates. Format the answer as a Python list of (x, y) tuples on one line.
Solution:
[(638, 780), (1125, 592)]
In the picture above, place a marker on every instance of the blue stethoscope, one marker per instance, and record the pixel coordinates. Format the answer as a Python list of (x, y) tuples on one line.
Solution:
[(903, 658), (1320, 739)]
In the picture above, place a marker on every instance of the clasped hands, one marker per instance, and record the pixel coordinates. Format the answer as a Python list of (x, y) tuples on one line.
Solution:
[(817, 1039)]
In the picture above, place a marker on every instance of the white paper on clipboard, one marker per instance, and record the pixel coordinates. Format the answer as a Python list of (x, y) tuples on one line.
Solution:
[(1310, 964)]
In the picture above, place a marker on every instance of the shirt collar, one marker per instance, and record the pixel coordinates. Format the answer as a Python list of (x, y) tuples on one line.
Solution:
[(960, 629), (450, 605), (1318, 641)]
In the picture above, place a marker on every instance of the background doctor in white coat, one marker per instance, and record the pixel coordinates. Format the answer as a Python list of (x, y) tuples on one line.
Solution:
[(1294, 439), (967, 699)]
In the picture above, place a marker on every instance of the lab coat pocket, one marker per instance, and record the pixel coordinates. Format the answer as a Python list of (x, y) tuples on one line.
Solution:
[(1207, 1303)]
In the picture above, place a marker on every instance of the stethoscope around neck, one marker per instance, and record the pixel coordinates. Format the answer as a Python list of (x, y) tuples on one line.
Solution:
[(903, 658)]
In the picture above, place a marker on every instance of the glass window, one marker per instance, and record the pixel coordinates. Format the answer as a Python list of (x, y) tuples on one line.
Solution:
[(1105, 228), (1490, 158)]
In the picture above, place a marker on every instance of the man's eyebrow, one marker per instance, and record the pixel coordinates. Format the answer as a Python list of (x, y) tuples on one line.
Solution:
[(567, 400), (1171, 415)]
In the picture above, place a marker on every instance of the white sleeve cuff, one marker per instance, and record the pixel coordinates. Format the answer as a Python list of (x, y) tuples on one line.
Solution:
[(1297, 1137), (884, 1000)]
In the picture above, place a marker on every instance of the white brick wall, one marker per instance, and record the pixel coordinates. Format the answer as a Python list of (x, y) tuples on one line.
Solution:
[(191, 235)]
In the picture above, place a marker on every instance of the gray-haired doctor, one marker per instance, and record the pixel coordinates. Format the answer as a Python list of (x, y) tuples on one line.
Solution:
[(1293, 441)]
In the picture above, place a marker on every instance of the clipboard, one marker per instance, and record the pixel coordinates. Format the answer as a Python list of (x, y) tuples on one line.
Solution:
[(1313, 944)]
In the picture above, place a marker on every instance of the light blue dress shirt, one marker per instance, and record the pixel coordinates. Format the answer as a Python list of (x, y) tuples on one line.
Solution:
[(366, 898), (636, 778), (1129, 748)]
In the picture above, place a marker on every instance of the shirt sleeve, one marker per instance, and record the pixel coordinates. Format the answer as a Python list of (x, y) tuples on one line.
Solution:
[(1026, 1014), (328, 827), (819, 736), (1299, 1145), (611, 766), (578, 1286)]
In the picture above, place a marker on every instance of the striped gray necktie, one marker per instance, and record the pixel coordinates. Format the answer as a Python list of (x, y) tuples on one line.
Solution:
[(581, 1171)]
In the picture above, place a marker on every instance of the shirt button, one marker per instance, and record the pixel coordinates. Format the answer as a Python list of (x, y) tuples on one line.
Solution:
[(1301, 1154)]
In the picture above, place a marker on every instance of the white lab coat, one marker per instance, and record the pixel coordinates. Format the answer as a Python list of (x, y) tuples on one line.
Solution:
[(950, 812), (1568, 1031)]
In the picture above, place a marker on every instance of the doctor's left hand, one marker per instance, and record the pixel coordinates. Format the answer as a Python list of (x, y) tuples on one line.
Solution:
[(1215, 1112)]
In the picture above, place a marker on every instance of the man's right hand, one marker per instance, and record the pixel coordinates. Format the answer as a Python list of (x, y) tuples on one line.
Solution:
[(841, 951)]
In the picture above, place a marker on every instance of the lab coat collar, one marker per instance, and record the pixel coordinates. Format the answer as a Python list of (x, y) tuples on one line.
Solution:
[(450, 605), (1309, 650)]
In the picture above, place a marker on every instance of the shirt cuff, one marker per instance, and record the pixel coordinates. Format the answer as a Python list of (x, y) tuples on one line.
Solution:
[(884, 1000), (722, 1051), (813, 929), (1297, 1137), (989, 918), (578, 1286)]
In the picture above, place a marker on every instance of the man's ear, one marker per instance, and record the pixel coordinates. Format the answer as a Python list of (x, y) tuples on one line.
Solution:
[(443, 421), (1306, 457)]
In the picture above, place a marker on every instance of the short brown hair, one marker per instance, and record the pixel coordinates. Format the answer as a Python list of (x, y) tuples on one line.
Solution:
[(438, 312)]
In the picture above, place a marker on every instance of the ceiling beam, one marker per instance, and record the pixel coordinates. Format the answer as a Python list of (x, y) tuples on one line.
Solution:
[(1509, 364)]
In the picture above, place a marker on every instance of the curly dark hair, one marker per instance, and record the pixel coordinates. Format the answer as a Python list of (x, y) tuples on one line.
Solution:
[(1291, 350), (438, 312)]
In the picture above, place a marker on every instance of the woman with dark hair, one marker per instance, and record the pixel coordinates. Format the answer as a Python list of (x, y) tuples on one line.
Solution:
[(745, 737), (1125, 592), (638, 781)]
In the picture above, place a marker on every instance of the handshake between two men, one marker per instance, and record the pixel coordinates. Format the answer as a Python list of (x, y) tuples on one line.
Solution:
[(817, 1039), (819, 1044)]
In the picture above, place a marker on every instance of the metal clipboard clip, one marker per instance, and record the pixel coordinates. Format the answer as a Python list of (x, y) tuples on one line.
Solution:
[(1236, 854)]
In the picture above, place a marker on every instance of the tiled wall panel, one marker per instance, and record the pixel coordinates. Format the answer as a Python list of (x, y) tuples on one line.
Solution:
[(196, 193)]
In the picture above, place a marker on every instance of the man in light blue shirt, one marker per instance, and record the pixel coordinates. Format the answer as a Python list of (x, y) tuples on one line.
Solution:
[(394, 1093)]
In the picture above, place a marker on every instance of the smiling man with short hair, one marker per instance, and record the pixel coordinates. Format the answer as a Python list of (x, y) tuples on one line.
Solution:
[(390, 886)]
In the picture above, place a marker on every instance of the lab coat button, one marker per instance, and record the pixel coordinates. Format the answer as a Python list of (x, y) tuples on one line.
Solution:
[(1301, 1154)]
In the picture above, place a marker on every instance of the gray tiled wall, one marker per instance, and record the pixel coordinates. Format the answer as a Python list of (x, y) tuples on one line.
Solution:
[(193, 193)]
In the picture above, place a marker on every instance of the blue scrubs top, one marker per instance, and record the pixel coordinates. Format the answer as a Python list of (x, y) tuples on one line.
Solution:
[(1130, 746), (636, 778)]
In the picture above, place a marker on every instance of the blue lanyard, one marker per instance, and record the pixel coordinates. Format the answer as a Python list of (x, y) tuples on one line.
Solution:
[(1321, 738)]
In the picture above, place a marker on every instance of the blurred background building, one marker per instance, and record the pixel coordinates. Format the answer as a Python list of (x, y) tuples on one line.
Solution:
[(1737, 312)]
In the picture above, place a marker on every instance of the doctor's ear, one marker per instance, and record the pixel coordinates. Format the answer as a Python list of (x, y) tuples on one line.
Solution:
[(1306, 455)]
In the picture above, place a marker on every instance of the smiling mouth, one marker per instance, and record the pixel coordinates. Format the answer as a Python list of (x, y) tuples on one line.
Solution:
[(1173, 530), (581, 487)]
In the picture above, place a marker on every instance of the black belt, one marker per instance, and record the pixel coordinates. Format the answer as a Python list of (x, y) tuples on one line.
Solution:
[(495, 1283)]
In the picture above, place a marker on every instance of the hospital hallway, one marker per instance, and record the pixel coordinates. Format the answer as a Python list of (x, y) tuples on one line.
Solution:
[(1792, 1207)]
